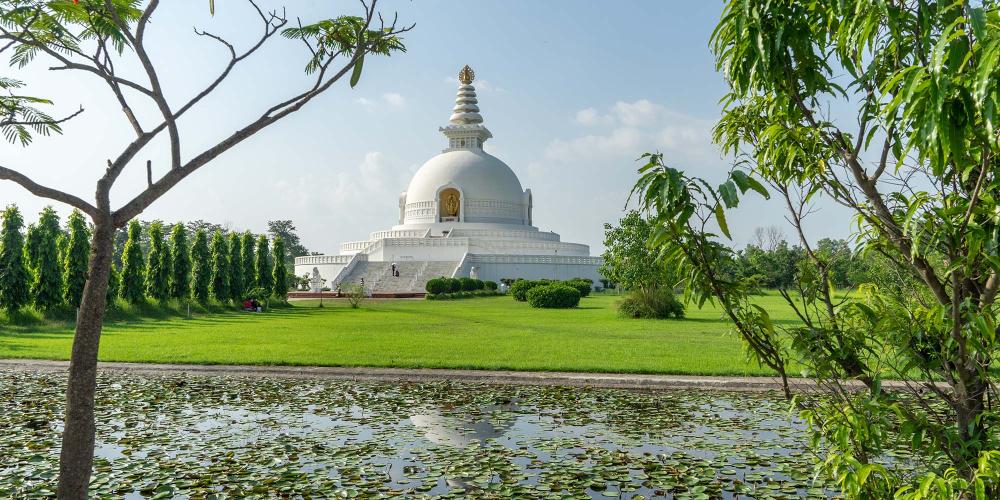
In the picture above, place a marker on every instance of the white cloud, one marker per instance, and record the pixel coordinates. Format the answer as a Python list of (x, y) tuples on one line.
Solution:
[(678, 137), (347, 201), (393, 99), (388, 99), (630, 128), (588, 117), (618, 141), (639, 113)]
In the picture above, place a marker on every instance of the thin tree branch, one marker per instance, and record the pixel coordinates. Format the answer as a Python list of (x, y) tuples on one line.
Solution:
[(47, 192)]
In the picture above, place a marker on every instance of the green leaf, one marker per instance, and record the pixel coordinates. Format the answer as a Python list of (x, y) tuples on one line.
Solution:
[(720, 216), (728, 192), (757, 186), (356, 74), (978, 18), (740, 178), (765, 318)]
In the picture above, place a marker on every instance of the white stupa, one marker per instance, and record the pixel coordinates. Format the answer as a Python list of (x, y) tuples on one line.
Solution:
[(464, 213)]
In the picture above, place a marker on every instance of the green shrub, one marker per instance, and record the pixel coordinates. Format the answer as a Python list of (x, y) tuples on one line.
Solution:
[(658, 304), (490, 285), (462, 295), (584, 286), (437, 286), (454, 285), (519, 289), (468, 284), (554, 295), (479, 284)]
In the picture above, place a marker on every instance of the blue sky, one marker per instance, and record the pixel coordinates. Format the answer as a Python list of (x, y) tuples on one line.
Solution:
[(572, 91)]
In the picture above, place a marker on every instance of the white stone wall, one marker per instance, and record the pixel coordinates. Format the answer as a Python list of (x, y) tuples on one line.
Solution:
[(497, 267)]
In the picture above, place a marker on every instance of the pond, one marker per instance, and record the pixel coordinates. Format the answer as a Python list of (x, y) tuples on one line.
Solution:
[(230, 437)]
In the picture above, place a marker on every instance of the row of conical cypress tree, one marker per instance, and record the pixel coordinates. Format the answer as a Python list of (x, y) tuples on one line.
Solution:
[(46, 267)]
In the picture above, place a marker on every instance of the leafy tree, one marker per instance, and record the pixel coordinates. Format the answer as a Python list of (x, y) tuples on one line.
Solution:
[(248, 247), (13, 270), (627, 258), (77, 256), (180, 268), (67, 34), (838, 259), (62, 245), (916, 165), (778, 266), (220, 267), (158, 269), (201, 257), (133, 266), (285, 229), (236, 285), (114, 285), (208, 227), (280, 272), (43, 258), (262, 267)]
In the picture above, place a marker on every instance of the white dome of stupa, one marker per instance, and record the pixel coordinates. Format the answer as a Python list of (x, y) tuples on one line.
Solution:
[(477, 174), (487, 190)]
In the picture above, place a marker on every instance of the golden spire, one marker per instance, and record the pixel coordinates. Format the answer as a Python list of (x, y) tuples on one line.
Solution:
[(466, 75)]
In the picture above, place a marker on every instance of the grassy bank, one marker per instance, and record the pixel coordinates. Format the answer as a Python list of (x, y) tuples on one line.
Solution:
[(485, 333)]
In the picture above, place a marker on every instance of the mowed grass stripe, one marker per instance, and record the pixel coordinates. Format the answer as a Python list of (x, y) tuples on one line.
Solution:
[(484, 333)]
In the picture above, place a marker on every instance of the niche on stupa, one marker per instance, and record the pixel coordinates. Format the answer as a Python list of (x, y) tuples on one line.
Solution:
[(449, 205)]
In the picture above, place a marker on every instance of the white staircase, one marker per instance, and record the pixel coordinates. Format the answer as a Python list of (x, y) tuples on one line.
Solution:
[(413, 275)]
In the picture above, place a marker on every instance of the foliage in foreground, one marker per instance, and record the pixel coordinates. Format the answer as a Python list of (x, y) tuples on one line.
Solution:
[(925, 80)]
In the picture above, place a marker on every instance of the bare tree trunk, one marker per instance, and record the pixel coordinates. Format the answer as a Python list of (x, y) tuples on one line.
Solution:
[(77, 456)]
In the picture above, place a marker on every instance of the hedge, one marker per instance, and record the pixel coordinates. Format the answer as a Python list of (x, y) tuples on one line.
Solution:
[(437, 285), (584, 286), (462, 295), (467, 284), (554, 295), (519, 288)]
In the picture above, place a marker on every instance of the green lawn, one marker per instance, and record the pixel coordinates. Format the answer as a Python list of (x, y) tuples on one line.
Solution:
[(483, 333)]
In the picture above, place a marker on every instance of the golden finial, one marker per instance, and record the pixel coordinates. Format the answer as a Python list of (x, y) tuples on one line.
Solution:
[(466, 75)]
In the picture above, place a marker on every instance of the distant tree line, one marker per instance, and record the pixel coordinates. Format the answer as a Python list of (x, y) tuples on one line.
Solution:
[(767, 262), (44, 265)]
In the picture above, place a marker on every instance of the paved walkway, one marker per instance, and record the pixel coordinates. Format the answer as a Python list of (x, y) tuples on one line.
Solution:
[(612, 380)]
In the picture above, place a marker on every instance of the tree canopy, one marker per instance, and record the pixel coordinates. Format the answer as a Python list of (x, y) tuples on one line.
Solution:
[(915, 163)]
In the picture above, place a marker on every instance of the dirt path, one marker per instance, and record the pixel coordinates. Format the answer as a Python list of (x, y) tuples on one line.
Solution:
[(612, 380)]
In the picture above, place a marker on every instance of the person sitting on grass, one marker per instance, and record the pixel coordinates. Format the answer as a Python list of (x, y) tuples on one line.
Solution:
[(247, 305)]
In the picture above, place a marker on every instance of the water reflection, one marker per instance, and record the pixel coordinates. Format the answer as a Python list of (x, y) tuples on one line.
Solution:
[(462, 430), (305, 438)]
